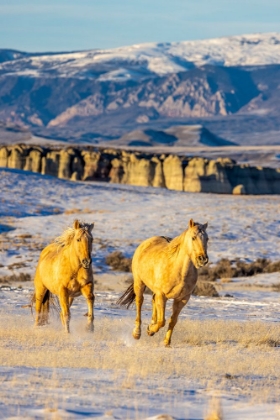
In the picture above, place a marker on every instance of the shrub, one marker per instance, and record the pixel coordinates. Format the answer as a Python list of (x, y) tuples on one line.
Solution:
[(229, 269), (118, 261), (204, 288), (21, 277)]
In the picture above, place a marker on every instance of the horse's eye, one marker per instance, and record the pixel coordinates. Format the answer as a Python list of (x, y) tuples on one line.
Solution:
[(78, 240), (193, 238)]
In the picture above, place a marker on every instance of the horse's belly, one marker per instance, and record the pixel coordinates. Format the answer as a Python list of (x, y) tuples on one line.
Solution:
[(74, 294)]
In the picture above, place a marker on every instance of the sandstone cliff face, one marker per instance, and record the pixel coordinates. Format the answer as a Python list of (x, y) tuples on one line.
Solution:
[(173, 173), (203, 175), (221, 176)]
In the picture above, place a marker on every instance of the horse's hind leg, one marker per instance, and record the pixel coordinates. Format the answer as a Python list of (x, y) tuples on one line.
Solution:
[(177, 307), (159, 303), (39, 297), (45, 308), (138, 290), (87, 292)]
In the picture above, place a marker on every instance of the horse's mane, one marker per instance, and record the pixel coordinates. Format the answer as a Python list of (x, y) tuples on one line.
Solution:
[(174, 245), (67, 236)]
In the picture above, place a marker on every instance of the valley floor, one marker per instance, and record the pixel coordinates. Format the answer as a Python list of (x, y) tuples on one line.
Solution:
[(225, 351), (225, 354)]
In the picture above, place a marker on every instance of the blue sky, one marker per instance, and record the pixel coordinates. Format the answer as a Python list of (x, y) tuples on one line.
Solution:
[(64, 25)]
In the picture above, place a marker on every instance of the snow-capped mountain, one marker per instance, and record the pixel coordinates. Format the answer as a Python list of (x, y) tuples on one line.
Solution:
[(102, 94), (142, 60)]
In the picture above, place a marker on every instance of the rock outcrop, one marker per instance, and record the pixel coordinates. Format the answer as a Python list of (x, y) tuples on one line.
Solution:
[(203, 175), (221, 176)]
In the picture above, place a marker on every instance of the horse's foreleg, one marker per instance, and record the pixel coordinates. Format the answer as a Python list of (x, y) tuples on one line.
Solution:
[(65, 311), (138, 302), (87, 292), (154, 311), (177, 307), (159, 304)]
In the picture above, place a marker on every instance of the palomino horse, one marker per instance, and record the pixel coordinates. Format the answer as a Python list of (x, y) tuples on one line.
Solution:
[(169, 268), (64, 269)]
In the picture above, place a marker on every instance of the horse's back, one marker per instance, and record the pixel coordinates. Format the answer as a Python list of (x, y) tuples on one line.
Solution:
[(46, 265), (48, 252), (151, 245)]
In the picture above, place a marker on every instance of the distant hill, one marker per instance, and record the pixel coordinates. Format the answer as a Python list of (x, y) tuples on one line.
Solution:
[(13, 134), (10, 55), (179, 136)]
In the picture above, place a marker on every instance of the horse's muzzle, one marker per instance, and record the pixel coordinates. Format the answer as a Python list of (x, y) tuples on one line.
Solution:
[(86, 263), (202, 260)]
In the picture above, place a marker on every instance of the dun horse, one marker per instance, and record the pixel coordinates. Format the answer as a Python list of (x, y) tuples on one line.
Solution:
[(65, 269), (169, 268)]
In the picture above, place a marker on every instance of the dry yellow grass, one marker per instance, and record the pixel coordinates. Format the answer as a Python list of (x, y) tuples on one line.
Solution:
[(237, 356), (83, 211)]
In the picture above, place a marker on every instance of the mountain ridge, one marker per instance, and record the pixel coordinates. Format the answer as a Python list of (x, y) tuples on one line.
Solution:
[(100, 95), (140, 60)]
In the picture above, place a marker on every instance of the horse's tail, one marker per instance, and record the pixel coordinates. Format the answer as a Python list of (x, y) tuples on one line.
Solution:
[(49, 300), (127, 298), (31, 302), (46, 299)]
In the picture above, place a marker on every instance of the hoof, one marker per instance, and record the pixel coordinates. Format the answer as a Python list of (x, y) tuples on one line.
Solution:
[(40, 324), (167, 345), (90, 328), (149, 332), (136, 333)]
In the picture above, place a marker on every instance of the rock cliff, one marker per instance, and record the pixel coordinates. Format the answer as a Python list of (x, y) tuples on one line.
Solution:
[(221, 176)]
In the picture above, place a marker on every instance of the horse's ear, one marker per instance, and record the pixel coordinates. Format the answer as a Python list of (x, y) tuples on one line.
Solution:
[(205, 225), (191, 223), (76, 224), (91, 226)]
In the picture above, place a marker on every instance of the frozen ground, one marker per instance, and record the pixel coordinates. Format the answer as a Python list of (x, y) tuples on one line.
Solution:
[(221, 348)]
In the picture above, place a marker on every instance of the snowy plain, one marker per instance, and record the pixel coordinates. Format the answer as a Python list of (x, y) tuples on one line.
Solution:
[(40, 375)]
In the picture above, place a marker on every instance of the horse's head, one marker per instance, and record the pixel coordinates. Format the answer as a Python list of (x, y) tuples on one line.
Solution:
[(82, 242), (197, 243)]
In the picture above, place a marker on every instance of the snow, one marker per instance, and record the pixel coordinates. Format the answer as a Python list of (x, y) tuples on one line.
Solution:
[(94, 405), (152, 58), (245, 227)]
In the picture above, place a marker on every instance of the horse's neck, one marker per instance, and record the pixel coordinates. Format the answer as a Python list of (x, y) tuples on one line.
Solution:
[(181, 261), (71, 257)]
